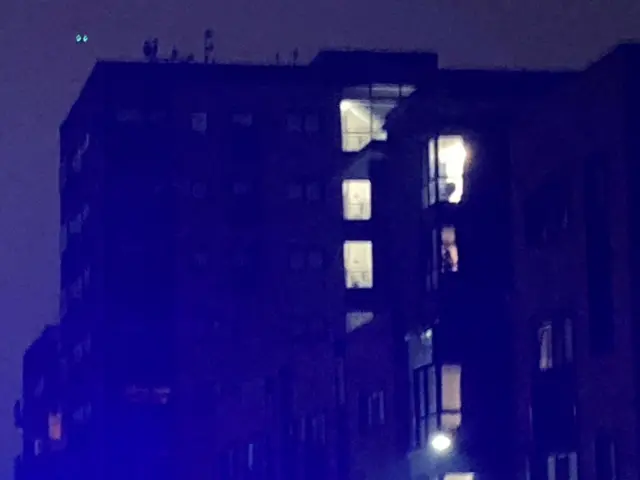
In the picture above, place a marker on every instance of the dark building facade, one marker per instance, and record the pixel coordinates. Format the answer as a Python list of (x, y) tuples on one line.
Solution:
[(202, 277), (288, 272), (575, 183), (38, 414)]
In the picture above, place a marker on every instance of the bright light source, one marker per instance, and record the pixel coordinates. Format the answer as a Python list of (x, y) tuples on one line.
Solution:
[(441, 442), (82, 38)]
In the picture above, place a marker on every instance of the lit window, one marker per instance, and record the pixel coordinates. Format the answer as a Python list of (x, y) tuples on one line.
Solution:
[(358, 264), (444, 178), (199, 122), (451, 397), (449, 250), (459, 476), (356, 199), (362, 121), (358, 319), (55, 426), (242, 119)]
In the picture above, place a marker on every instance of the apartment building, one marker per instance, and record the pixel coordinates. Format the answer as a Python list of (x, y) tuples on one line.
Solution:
[(575, 183), (287, 272), (198, 252), (429, 208)]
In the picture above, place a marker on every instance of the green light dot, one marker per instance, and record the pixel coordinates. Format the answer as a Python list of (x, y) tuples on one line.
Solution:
[(78, 38), (85, 39)]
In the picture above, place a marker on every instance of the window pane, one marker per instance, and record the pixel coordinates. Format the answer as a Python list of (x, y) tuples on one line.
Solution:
[(356, 199), (357, 319), (545, 344), (568, 340), (451, 398), (449, 249), (452, 155), (450, 421), (432, 396), (358, 264)]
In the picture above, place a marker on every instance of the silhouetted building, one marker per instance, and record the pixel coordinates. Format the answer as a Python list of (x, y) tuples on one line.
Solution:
[(575, 305), (310, 272), (38, 414), (201, 272)]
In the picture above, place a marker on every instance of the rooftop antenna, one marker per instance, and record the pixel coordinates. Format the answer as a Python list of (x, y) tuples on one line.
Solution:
[(294, 56), (150, 49), (208, 45)]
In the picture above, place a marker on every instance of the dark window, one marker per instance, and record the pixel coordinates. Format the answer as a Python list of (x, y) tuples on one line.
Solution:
[(555, 343), (371, 411), (562, 466), (605, 457), (599, 255), (546, 211)]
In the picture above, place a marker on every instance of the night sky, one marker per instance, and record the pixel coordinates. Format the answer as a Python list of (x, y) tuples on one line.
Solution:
[(42, 69)]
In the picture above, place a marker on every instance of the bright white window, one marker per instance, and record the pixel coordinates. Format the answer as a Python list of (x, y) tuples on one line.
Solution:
[(362, 121), (358, 264), (444, 170), (357, 319), (356, 199)]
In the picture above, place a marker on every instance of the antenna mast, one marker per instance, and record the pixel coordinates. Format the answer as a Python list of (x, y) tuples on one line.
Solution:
[(208, 46)]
